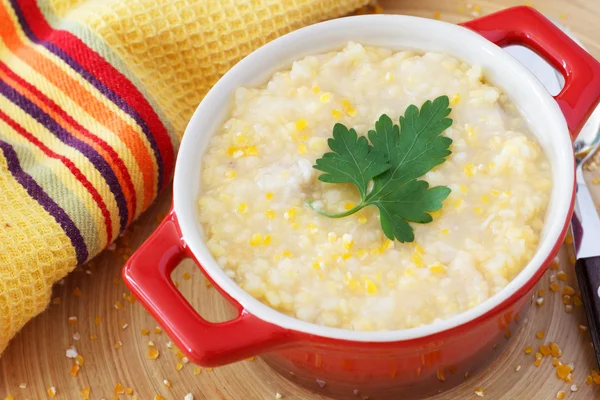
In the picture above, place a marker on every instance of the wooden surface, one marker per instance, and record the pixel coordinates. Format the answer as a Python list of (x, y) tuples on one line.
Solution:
[(36, 358)]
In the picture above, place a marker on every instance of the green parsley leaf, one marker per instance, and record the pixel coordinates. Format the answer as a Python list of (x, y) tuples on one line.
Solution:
[(353, 160), (397, 157)]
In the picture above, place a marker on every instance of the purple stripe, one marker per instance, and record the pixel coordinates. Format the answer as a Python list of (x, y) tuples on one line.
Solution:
[(88, 151), (107, 92), (37, 193)]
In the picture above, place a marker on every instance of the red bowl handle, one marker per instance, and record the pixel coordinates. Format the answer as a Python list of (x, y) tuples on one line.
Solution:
[(525, 26), (148, 275)]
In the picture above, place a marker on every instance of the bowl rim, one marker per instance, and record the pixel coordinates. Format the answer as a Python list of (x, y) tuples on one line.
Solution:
[(530, 273)]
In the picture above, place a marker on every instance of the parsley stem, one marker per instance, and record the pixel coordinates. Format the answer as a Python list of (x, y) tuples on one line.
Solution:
[(337, 215)]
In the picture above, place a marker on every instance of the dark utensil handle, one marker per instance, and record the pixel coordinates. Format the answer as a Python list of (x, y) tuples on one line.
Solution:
[(588, 277)]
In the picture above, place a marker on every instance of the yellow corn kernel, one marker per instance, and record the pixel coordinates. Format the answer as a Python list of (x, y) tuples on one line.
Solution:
[(74, 370), (569, 239), (362, 219), (562, 276), (153, 354), (312, 228), (129, 391), (336, 114), (230, 174), (360, 253), (242, 208), (267, 240), (495, 192), (477, 210), (316, 265), (287, 253), (561, 394), (290, 214), (568, 290), (325, 97), (545, 350), (595, 181), (302, 149), (331, 237), (348, 109), (79, 360), (240, 140), (370, 286), (389, 76), (270, 214), (445, 231), (387, 243), (528, 350), (469, 169), (269, 195), (485, 199), (463, 188), (119, 389), (251, 151), (231, 150), (51, 391), (349, 206), (418, 248), (347, 241), (315, 89), (470, 131), (417, 258), (346, 256), (455, 99), (458, 202), (301, 124), (374, 252), (256, 239), (540, 335), (437, 268)]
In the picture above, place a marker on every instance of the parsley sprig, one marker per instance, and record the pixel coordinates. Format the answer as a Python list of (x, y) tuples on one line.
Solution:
[(395, 158)]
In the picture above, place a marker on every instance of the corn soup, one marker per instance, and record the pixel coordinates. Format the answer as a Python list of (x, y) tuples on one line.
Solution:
[(258, 175)]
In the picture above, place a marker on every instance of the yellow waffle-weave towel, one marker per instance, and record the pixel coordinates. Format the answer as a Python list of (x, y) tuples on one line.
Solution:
[(94, 97)]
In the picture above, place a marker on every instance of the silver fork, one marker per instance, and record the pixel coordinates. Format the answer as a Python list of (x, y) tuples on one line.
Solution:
[(585, 227)]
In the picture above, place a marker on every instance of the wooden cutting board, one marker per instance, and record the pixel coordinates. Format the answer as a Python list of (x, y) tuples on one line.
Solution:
[(108, 330)]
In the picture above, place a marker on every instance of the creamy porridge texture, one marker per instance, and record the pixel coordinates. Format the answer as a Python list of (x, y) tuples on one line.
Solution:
[(258, 174)]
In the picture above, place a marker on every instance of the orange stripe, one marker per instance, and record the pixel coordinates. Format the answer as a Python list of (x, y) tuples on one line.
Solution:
[(89, 103), (123, 181), (71, 166)]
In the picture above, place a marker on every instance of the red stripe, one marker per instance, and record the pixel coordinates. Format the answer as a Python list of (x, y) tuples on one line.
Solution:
[(70, 165), (107, 74), (119, 165)]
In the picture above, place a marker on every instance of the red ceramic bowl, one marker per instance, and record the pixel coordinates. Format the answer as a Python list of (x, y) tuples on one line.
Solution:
[(413, 362)]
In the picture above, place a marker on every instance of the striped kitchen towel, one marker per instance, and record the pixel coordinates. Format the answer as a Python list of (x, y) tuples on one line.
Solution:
[(94, 97)]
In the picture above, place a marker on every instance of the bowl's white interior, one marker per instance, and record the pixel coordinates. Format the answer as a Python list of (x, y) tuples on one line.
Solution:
[(395, 32)]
